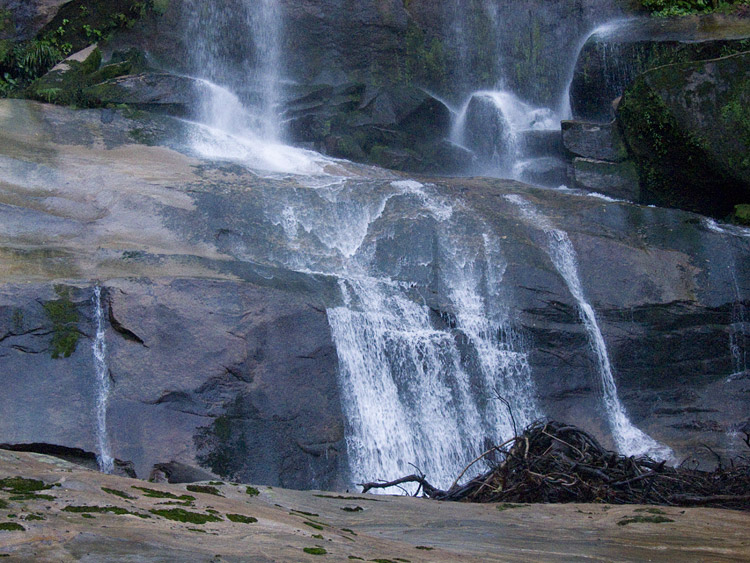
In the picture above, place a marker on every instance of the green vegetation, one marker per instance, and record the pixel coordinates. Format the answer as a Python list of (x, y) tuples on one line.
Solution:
[(22, 489), (102, 510), (424, 548), (153, 493), (3, 504), (665, 8), (644, 520), (180, 515), (121, 494), (64, 316), (242, 519), (206, 489), (315, 550), (32, 517), (741, 214), (11, 527), (314, 525), (650, 510)]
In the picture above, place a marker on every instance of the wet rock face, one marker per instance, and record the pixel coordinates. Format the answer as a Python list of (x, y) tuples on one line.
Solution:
[(238, 379), (222, 361), (612, 59), (688, 127), (28, 17)]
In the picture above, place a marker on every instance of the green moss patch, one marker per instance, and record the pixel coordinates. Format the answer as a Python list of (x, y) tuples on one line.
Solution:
[(352, 509), (644, 520), (102, 510), (21, 485), (11, 527), (315, 550), (314, 525), (181, 515), (3, 504), (154, 493), (651, 510), (239, 518), (117, 493), (206, 489), (64, 316)]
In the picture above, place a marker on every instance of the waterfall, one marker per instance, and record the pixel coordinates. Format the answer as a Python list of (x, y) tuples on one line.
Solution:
[(419, 391), (99, 349), (629, 440), (237, 46), (738, 334)]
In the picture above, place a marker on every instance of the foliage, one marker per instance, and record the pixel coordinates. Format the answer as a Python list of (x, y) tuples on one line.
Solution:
[(181, 515), (665, 8), (207, 489), (11, 527), (64, 316), (239, 518)]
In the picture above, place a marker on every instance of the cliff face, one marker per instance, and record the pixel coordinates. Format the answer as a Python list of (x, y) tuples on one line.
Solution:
[(221, 356)]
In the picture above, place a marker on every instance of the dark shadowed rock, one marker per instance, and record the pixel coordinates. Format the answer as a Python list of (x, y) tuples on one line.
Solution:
[(159, 92), (688, 127), (613, 58), (487, 129)]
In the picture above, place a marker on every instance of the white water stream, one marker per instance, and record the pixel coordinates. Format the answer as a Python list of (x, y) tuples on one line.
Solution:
[(629, 440), (99, 348), (419, 380)]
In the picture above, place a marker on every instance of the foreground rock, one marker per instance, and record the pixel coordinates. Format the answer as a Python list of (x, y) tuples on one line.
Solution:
[(90, 515), (219, 347)]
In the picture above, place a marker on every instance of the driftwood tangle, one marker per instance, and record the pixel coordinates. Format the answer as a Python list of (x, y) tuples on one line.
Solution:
[(552, 462)]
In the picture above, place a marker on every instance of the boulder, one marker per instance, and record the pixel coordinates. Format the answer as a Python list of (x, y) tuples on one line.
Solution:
[(614, 179), (160, 92), (614, 56), (21, 20), (487, 130), (402, 128), (688, 127), (599, 141)]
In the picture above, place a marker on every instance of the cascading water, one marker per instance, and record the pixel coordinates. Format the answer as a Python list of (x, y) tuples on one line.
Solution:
[(417, 387), (629, 440), (423, 373), (246, 62), (739, 334), (99, 349)]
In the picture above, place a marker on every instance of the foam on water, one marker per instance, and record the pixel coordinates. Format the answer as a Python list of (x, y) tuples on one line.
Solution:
[(99, 349)]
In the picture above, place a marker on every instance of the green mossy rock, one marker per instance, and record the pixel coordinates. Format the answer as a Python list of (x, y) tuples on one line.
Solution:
[(688, 127)]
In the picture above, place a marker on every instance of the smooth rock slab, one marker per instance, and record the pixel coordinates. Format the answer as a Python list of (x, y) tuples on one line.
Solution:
[(369, 527)]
